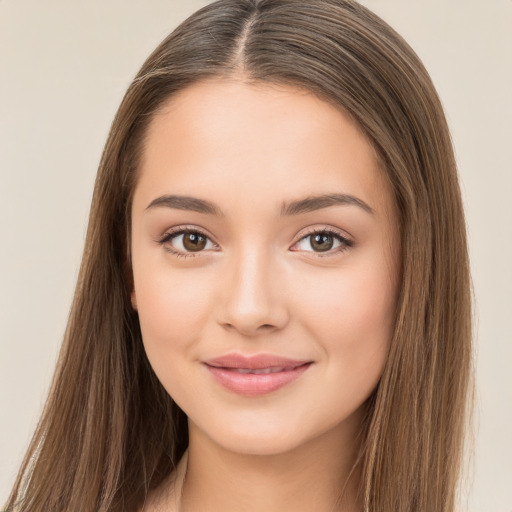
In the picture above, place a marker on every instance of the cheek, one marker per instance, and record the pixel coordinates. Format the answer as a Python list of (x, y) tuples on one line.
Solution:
[(172, 306), (351, 317)]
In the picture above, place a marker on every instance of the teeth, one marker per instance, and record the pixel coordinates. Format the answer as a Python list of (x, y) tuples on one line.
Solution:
[(258, 371)]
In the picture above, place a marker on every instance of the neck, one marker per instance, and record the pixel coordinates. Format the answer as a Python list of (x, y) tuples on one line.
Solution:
[(319, 475)]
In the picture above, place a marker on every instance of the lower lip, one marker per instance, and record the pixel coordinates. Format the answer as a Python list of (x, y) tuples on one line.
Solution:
[(255, 384)]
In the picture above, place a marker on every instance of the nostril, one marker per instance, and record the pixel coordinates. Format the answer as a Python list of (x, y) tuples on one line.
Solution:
[(249, 330)]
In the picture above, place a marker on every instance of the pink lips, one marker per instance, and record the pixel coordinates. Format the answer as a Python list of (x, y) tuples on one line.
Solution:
[(255, 375)]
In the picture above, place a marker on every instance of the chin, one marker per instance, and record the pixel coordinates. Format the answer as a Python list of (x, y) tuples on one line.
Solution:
[(260, 445), (266, 436)]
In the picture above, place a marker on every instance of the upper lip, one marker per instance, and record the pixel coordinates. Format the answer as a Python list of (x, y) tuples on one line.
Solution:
[(255, 362)]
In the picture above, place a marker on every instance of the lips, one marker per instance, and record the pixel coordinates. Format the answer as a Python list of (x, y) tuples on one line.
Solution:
[(255, 375), (261, 371)]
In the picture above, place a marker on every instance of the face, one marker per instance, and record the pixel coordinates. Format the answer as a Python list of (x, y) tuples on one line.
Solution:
[(265, 262)]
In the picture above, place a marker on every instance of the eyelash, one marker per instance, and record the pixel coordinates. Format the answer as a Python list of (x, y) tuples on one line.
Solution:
[(345, 243), (169, 235)]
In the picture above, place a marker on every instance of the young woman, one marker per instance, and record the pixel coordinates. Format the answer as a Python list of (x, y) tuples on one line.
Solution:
[(273, 308)]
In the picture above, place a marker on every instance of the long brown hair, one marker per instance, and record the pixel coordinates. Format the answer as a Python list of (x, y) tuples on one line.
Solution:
[(109, 431)]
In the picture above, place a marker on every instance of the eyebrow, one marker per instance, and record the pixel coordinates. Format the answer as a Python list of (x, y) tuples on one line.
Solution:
[(308, 204), (186, 203), (312, 203)]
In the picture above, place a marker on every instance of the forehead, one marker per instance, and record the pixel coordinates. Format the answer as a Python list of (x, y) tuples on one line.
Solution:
[(220, 136)]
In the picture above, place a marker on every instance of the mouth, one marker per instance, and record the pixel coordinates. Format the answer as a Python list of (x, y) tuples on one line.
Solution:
[(261, 371), (255, 375)]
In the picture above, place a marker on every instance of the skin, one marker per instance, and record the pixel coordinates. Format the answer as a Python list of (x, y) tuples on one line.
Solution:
[(259, 285)]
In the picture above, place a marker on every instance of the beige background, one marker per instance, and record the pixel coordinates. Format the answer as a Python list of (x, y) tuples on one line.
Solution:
[(63, 69)]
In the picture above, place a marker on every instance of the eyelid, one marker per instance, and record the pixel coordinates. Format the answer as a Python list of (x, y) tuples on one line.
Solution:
[(181, 228), (175, 231), (343, 237)]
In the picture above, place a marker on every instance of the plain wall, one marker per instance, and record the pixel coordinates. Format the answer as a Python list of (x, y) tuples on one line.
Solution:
[(64, 67)]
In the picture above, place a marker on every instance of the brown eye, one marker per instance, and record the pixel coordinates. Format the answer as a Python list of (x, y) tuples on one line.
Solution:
[(321, 242), (186, 242), (193, 241)]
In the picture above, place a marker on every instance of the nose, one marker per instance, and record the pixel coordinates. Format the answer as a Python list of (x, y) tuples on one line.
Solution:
[(253, 296)]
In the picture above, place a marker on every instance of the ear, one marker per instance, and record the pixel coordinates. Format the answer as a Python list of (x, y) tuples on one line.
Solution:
[(133, 297)]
